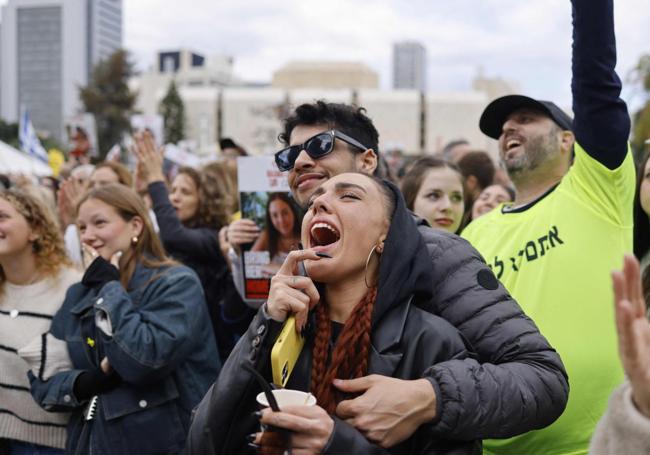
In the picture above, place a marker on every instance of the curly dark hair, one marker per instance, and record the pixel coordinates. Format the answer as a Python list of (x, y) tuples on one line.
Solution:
[(214, 208), (349, 119)]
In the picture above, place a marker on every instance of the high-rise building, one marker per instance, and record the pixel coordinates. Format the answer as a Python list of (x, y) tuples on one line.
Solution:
[(409, 66), (48, 49)]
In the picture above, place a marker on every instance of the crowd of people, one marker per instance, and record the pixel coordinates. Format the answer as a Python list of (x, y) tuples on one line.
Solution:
[(461, 308)]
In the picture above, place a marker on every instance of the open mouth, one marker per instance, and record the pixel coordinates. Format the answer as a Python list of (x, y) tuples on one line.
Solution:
[(323, 235), (512, 143)]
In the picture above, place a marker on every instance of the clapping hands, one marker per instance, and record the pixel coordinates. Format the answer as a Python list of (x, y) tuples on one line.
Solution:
[(150, 160)]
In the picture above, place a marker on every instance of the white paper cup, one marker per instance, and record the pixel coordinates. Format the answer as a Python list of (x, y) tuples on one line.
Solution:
[(287, 397)]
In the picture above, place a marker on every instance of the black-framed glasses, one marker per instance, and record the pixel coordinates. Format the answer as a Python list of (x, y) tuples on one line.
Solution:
[(316, 147)]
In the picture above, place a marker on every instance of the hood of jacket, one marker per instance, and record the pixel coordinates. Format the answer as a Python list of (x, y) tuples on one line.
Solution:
[(404, 267)]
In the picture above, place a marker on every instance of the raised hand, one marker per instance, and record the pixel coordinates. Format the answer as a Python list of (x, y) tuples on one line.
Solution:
[(150, 160), (633, 331), (291, 293), (68, 197)]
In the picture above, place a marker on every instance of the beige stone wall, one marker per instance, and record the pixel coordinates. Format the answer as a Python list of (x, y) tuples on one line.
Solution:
[(396, 115), (326, 75), (253, 116)]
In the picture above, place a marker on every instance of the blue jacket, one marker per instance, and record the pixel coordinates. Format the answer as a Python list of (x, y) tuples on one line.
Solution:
[(158, 339)]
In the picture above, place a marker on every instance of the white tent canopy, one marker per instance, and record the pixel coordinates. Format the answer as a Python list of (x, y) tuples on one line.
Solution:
[(13, 161)]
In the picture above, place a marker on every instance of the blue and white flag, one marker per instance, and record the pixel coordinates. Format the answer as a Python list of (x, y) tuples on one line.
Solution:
[(29, 141)]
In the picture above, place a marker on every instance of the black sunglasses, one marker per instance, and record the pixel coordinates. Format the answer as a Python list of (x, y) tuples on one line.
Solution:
[(316, 147)]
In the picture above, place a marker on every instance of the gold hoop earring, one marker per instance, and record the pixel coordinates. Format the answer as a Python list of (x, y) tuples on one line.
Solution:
[(134, 239), (365, 273)]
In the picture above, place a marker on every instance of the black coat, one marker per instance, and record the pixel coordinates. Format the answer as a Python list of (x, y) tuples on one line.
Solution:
[(516, 382), (198, 248), (406, 342)]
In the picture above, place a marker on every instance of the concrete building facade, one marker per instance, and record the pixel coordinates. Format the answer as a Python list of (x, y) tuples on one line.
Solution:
[(48, 49), (406, 119)]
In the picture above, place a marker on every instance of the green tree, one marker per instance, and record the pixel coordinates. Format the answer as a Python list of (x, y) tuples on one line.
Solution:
[(9, 133), (173, 112), (640, 76), (109, 99)]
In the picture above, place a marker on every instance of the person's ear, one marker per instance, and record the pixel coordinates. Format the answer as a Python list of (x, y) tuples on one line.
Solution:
[(380, 244), (366, 162), (33, 236), (137, 225), (567, 139)]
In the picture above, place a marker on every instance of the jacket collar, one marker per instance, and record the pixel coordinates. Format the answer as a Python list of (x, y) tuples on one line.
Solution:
[(141, 275), (86, 301), (386, 336)]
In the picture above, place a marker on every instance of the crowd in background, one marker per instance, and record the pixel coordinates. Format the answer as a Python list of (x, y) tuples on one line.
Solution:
[(122, 297)]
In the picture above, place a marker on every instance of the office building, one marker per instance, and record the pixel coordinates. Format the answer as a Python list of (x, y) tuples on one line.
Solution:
[(409, 66), (48, 49)]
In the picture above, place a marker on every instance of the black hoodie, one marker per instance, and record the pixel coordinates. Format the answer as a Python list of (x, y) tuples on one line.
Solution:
[(405, 342)]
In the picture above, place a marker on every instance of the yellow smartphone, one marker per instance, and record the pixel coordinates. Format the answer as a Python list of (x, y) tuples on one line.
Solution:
[(285, 352)]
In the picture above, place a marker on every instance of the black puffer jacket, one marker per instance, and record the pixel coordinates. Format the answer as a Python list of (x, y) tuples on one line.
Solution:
[(405, 339), (517, 382)]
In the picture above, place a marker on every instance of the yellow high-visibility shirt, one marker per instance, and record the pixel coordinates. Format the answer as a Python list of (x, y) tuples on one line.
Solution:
[(555, 258)]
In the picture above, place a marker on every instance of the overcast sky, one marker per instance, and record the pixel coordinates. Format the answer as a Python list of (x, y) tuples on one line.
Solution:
[(526, 41)]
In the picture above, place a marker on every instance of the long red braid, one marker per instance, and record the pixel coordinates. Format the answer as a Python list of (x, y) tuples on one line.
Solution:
[(350, 355)]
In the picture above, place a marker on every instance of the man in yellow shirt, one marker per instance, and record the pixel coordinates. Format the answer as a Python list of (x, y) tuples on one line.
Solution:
[(568, 227)]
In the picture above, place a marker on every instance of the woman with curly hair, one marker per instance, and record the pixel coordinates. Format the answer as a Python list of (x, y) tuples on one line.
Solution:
[(35, 274), (189, 218)]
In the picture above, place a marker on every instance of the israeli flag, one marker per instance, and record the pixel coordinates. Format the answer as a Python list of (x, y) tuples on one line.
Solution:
[(29, 142)]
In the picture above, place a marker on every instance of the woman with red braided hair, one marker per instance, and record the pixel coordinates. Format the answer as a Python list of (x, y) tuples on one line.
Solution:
[(366, 269)]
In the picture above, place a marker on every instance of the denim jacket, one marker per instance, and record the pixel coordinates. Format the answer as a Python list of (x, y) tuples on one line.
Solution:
[(158, 339)]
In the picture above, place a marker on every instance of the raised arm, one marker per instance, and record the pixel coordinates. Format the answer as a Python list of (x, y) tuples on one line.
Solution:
[(601, 120), (175, 236)]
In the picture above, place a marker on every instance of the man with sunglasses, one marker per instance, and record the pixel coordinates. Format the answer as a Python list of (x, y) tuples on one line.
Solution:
[(516, 383), (474, 399)]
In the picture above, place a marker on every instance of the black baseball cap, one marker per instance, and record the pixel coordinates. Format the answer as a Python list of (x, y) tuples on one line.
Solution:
[(496, 113)]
